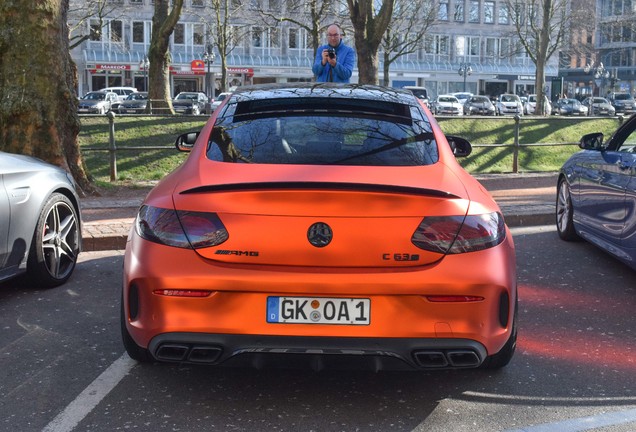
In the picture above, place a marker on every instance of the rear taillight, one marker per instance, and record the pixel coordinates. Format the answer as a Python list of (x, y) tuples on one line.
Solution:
[(456, 234), (184, 229)]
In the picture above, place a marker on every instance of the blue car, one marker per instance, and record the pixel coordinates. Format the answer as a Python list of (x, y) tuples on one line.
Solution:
[(596, 193)]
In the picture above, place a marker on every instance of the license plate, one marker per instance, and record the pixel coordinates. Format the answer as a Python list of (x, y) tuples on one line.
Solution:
[(131, 111), (318, 310)]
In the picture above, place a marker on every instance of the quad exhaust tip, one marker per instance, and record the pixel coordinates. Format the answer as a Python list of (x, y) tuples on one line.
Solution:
[(447, 359), (188, 353)]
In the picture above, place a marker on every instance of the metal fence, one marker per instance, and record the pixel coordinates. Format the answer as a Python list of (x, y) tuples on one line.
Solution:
[(113, 149)]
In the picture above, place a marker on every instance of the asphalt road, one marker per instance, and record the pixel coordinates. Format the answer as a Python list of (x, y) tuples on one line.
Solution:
[(63, 368)]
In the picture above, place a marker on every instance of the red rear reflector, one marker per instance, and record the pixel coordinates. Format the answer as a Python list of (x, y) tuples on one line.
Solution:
[(181, 293), (453, 299)]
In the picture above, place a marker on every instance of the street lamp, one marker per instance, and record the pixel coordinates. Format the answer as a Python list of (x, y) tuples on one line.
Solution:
[(464, 71), (208, 58), (144, 65)]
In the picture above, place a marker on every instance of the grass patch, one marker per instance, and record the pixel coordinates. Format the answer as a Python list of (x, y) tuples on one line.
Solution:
[(138, 164), (558, 134)]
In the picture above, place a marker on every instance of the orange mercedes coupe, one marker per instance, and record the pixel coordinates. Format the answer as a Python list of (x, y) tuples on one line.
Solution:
[(321, 225)]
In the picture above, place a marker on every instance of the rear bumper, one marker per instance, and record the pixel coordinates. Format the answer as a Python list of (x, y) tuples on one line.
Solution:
[(234, 316), (317, 352)]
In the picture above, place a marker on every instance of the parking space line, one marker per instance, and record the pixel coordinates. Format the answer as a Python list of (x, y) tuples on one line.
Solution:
[(92, 395), (583, 423)]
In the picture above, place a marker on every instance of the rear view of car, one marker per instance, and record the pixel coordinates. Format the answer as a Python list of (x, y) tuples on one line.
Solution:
[(479, 105), (321, 223), (509, 104)]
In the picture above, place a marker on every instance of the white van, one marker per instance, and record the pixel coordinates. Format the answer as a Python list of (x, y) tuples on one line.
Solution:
[(121, 92)]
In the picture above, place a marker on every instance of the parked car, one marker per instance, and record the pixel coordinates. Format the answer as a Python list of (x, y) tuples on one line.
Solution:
[(569, 107), (135, 103), (479, 105), (530, 106), (96, 102), (462, 97), (447, 105), (622, 102), (121, 92), (40, 220), (314, 218), (420, 92), (190, 103), (599, 106), (508, 104), (218, 99), (596, 193)]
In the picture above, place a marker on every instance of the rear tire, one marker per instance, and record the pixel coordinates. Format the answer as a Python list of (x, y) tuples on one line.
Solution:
[(565, 212)]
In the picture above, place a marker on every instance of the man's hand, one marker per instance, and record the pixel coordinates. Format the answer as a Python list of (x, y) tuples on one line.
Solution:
[(325, 58)]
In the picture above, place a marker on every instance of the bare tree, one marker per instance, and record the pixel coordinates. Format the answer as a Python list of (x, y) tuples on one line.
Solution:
[(540, 26), (369, 26), (38, 103), (314, 16), (227, 33), (82, 11), (164, 21), (412, 19)]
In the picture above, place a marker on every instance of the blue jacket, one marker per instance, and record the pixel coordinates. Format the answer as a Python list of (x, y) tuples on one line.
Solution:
[(345, 60)]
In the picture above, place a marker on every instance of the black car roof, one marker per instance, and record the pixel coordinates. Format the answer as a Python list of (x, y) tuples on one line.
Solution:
[(325, 90)]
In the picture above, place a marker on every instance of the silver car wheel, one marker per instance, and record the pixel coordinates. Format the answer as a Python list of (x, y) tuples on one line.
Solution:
[(565, 212), (56, 242)]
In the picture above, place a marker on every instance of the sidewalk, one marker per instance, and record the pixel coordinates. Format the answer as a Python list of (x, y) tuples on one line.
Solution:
[(525, 200)]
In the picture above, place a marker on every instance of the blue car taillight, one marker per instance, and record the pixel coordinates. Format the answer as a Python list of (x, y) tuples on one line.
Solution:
[(459, 234), (184, 229)]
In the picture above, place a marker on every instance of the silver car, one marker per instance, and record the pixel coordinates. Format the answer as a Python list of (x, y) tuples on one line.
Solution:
[(40, 220)]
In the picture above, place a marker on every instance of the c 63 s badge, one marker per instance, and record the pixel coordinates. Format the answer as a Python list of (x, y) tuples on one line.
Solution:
[(400, 257)]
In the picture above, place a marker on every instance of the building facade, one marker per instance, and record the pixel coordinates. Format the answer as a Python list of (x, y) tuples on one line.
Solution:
[(603, 54), (471, 47)]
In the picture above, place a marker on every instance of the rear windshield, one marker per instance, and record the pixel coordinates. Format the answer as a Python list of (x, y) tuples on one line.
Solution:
[(334, 132), (623, 96)]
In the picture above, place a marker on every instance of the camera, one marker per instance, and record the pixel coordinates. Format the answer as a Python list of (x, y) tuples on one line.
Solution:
[(331, 52)]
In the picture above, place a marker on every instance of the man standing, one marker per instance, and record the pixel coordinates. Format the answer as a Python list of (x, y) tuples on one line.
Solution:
[(334, 61)]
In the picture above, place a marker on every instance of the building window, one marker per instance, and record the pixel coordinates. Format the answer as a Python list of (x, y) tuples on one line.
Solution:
[(198, 34), (257, 37), (138, 35), (197, 3), (275, 5), (437, 44), (95, 31), (137, 2), (442, 12), (459, 11), (179, 34), (116, 31), (503, 14), (492, 46), (473, 16), (297, 38), (489, 12), (466, 46)]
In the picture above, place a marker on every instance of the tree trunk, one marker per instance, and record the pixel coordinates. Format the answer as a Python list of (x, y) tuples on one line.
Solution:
[(38, 102), (163, 22), (368, 28), (542, 57)]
